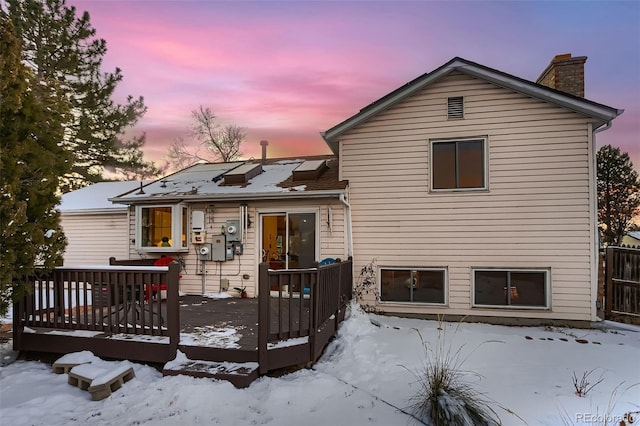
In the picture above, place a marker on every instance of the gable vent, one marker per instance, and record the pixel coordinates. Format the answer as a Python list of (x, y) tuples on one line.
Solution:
[(455, 107)]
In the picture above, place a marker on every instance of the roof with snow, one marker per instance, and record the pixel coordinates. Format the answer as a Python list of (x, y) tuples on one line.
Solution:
[(242, 180), (95, 198)]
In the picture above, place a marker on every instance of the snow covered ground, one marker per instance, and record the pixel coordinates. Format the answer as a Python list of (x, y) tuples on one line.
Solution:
[(366, 376)]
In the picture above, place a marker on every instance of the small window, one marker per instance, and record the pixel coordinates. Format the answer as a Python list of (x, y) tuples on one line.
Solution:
[(413, 285), (162, 228), (455, 107), (458, 164), (511, 288)]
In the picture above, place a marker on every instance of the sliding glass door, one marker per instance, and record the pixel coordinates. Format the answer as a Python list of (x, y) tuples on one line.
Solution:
[(289, 240)]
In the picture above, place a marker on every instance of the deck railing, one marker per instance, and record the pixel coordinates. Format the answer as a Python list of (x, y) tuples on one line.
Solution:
[(304, 303), (112, 311), (109, 301), (623, 284)]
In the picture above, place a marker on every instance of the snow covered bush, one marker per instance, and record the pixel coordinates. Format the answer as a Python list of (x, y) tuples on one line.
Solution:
[(445, 396), (366, 287)]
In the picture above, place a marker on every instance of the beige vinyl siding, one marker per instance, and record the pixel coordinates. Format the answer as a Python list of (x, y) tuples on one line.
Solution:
[(93, 238), (534, 215), (332, 242)]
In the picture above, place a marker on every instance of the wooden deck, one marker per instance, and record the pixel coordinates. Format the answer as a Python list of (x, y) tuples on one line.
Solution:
[(204, 318), (106, 311)]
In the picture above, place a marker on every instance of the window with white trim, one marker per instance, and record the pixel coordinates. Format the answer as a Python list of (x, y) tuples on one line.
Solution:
[(161, 228), (511, 288), (413, 285), (458, 164)]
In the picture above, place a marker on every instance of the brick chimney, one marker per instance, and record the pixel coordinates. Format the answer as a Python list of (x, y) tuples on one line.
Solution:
[(566, 74), (264, 144)]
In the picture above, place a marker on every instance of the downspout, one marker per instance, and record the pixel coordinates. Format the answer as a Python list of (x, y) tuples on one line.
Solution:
[(595, 259), (344, 201)]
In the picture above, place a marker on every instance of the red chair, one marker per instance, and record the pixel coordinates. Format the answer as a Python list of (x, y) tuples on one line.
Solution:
[(151, 290)]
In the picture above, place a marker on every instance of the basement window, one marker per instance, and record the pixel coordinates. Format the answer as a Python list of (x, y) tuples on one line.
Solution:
[(161, 228), (511, 288), (455, 107), (413, 285)]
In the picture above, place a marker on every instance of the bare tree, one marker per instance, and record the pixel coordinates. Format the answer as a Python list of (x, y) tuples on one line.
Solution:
[(227, 142), (215, 142), (179, 156), (221, 142)]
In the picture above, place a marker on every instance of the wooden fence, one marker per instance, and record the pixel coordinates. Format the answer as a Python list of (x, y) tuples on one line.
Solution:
[(622, 284), (71, 305), (310, 304)]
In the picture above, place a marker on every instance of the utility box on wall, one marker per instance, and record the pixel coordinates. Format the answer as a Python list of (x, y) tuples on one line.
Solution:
[(234, 233), (197, 227), (219, 248), (205, 252)]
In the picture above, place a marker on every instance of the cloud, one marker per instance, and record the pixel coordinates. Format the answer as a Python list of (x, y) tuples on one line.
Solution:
[(288, 70)]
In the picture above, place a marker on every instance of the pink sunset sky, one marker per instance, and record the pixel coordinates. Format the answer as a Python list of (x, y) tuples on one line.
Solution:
[(286, 71)]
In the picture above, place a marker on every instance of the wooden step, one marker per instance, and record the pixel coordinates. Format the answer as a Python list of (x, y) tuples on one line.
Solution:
[(239, 374)]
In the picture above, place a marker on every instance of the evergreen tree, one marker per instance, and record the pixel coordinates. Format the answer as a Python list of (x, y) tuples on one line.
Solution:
[(33, 111), (618, 193), (60, 46)]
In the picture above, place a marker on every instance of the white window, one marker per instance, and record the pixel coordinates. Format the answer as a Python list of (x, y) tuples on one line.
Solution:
[(458, 164), (512, 288), (161, 228), (413, 285)]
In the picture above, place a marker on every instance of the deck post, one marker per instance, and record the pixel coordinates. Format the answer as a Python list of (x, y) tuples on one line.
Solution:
[(18, 309), (314, 302), (263, 317), (339, 296), (173, 308)]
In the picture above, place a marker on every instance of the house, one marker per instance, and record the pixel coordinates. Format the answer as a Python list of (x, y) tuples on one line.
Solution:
[(470, 191), (474, 192), (222, 220), (94, 227), (466, 192), (631, 239)]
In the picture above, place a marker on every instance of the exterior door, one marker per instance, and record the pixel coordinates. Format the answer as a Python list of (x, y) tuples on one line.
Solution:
[(289, 240)]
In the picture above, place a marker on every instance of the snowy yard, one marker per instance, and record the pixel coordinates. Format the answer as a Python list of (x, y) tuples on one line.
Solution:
[(364, 377)]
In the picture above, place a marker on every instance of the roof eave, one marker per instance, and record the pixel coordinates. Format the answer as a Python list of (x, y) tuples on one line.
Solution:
[(331, 135), (598, 111), (583, 106), (109, 210), (254, 196)]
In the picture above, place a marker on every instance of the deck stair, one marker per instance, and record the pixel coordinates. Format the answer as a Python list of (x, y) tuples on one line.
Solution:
[(240, 374)]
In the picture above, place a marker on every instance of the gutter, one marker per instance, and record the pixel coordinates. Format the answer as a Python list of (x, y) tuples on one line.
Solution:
[(161, 198), (78, 212), (595, 250)]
